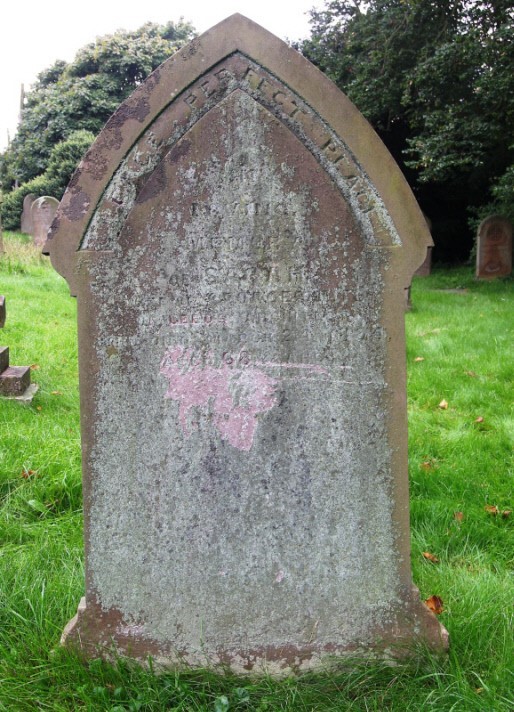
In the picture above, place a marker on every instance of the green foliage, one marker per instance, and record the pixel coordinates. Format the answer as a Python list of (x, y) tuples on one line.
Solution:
[(64, 158), (370, 49), (436, 79), (83, 94), (503, 195), (462, 101)]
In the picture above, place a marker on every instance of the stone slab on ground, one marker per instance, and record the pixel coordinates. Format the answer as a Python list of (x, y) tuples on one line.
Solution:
[(27, 396)]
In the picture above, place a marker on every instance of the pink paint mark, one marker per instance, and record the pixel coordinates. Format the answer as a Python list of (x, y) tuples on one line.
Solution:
[(237, 395)]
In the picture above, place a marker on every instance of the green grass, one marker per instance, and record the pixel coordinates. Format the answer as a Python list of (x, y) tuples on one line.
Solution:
[(457, 465)]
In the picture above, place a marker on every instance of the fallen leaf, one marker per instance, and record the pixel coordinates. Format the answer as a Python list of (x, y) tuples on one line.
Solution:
[(471, 374), (443, 404), (38, 407), (27, 473), (56, 393), (418, 359), (426, 465), (35, 367), (506, 513), (459, 516), (479, 419), (479, 690), (431, 557), (435, 604), (492, 509)]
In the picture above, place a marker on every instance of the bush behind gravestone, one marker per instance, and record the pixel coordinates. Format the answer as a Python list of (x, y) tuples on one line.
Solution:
[(64, 159)]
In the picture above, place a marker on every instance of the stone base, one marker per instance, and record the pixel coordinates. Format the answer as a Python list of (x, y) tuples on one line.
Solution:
[(25, 397), (96, 633)]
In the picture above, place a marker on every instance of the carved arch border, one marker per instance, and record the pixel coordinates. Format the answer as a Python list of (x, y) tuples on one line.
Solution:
[(237, 73), (238, 35)]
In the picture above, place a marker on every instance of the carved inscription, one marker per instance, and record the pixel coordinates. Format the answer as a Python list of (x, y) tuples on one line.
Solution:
[(239, 73), (306, 124)]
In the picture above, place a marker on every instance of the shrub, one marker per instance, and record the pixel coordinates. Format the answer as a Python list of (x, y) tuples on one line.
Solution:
[(64, 158)]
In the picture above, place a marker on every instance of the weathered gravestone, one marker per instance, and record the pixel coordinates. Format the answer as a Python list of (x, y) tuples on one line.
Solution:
[(26, 215), (425, 267), (239, 241), (42, 213), (494, 248), (423, 270)]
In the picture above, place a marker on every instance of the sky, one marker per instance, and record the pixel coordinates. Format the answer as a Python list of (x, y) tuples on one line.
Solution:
[(35, 33)]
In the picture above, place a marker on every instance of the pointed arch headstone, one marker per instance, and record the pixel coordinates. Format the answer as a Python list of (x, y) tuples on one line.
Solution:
[(239, 241)]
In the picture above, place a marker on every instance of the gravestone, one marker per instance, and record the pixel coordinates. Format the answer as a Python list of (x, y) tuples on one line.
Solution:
[(42, 212), (425, 267), (3, 313), (239, 241), (423, 270), (26, 216), (494, 248)]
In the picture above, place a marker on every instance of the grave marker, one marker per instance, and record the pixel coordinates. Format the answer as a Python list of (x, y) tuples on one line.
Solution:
[(14, 380), (42, 212), (26, 216), (240, 259), (494, 248)]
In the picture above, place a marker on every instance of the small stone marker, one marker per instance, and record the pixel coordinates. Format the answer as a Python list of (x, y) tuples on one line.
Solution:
[(494, 248), (26, 216), (42, 213), (14, 380), (240, 258)]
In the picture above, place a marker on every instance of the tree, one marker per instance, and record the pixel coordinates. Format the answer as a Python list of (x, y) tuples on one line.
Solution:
[(462, 100), (436, 80), (64, 158), (84, 93)]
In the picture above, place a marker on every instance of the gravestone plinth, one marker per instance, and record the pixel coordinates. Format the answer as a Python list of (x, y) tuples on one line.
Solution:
[(494, 248), (240, 256), (42, 212)]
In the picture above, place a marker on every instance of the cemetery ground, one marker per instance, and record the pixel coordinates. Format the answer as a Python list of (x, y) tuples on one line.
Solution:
[(461, 464)]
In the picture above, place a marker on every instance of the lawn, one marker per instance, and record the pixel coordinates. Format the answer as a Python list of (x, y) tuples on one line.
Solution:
[(461, 436)]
